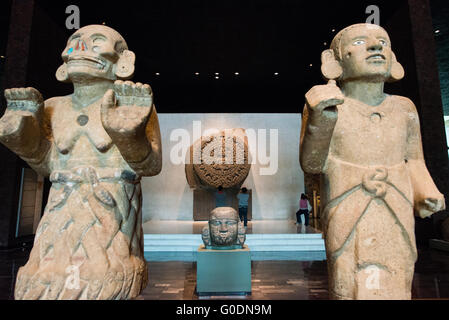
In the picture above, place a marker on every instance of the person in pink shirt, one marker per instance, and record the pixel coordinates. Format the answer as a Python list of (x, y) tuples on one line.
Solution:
[(303, 210)]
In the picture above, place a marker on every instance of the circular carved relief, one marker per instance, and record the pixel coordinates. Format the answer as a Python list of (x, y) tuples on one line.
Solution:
[(221, 160)]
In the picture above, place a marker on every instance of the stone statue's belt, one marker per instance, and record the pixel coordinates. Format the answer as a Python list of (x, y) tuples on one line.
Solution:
[(89, 175), (374, 179)]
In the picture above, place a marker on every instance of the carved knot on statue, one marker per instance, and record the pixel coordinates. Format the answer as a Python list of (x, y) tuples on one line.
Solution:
[(375, 180), (220, 159)]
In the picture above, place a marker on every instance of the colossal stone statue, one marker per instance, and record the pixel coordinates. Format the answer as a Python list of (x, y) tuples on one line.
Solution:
[(367, 146), (95, 145), (219, 160), (224, 231)]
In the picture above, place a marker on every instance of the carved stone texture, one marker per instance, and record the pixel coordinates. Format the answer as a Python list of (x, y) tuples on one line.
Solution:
[(224, 231), (219, 160), (94, 144), (367, 147)]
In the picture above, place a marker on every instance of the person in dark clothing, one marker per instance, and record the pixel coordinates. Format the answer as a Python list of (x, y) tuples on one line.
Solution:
[(243, 197), (220, 198)]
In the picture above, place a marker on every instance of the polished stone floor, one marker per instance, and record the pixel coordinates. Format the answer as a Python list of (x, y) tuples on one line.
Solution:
[(271, 280)]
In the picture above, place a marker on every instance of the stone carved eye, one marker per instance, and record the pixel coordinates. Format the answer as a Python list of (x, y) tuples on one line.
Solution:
[(383, 42), (98, 41), (358, 42)]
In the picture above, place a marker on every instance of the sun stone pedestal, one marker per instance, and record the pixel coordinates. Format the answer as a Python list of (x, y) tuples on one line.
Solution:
[(223, 272)]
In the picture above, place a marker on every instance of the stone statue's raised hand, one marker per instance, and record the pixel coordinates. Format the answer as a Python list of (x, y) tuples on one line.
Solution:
[(321, 97), (125, 110), (321, 116), (20, 126), (28, 100)]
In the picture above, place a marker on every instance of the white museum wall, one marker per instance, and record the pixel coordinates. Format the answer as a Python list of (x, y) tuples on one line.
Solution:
[(168, 196)]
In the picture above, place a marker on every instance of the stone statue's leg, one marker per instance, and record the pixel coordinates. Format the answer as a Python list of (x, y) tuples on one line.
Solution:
[(341, 274), (384, 256)]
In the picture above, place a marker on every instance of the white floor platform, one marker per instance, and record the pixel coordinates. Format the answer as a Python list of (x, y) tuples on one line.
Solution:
[(267, 240)]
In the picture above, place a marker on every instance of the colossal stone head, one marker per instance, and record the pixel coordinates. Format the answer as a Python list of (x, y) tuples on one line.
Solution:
[(361, 52), (224, 231), (223, 226), (96, 52)]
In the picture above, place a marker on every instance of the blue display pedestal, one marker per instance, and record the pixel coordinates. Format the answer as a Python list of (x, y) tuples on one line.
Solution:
[(223, 272)]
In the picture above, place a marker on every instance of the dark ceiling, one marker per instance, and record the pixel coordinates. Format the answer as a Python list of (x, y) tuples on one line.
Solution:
[(440, 15), (255, 38)]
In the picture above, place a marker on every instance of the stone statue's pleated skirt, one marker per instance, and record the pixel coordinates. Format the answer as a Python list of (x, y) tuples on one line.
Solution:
[(89, 243), (369, 230)]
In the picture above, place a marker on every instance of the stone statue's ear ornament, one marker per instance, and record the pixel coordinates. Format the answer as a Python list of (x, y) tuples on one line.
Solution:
[(330, 67), (125, 65), (397, 71), (62, 74)]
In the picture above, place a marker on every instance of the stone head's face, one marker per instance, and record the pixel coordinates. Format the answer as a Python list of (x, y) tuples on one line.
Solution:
[(92, 52), (365, 53), (223, 225)]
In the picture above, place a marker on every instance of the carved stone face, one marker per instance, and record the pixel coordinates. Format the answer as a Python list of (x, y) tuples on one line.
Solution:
[(223, 225), (92, 52), (366, 53)]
